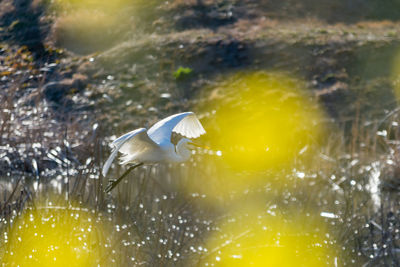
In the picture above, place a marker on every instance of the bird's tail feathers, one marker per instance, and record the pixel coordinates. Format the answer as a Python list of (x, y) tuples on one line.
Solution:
[(110, 159)]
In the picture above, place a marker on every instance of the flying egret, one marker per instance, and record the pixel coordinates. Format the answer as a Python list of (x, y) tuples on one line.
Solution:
[(142, 146)]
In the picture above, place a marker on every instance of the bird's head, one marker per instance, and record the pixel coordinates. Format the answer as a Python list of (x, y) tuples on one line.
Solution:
[(189, 144), (184, 148)]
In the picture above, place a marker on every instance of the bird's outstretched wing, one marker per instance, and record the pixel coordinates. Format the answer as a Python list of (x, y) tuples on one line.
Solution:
[(185, 124), (130, 144)]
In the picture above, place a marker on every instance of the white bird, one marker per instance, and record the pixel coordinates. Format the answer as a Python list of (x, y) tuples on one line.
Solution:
[(154, 145)]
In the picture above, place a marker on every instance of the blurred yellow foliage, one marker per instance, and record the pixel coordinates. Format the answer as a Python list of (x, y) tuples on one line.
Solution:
[(104, 5), (85, 30), (396, 75), (89, 25), (258, 239), (54, 236), (263, 120)]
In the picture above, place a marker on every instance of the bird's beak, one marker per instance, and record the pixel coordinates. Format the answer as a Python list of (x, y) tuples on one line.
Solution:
[(198, 145)]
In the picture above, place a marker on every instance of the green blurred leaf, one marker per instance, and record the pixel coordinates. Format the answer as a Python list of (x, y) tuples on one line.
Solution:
[(182, 73)]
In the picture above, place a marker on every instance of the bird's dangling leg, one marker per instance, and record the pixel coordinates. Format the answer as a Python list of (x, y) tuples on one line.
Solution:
[(114, 183)]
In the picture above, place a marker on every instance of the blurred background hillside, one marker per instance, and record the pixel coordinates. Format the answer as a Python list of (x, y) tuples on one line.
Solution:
[(299, 100)]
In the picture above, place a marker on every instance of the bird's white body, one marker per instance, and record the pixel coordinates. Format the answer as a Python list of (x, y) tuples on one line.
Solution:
[(154, 145)]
